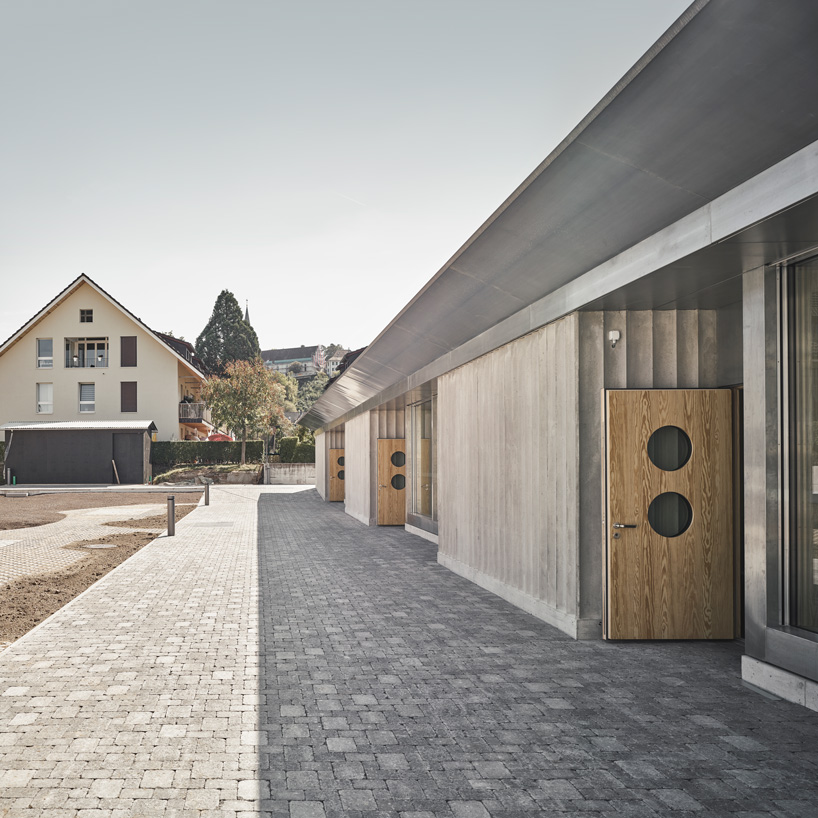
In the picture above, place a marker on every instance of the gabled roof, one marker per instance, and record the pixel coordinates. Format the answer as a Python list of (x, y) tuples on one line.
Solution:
[(72, 288), (288, 354)]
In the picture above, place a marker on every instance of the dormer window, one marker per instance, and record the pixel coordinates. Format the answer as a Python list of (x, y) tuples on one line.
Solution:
[(86, 316)]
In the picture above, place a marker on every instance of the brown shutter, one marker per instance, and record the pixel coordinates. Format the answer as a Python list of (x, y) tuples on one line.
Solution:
[(128, 349), (128, 394)]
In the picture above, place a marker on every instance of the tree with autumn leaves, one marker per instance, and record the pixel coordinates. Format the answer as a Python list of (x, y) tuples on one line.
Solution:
[(246, 398)]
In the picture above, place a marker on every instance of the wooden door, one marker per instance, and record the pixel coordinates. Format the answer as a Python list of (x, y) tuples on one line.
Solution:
[(391, 482), (669, 514), (336, 475)]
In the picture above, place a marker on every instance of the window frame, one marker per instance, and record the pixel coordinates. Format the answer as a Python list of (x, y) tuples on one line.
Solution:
[(42, 358), (93, 403), (39, 402), (86, 316)]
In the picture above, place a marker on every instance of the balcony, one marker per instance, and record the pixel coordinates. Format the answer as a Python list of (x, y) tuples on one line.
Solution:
[(193, 413)]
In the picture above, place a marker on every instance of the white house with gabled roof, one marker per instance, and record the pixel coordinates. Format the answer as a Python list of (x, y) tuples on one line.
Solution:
[(85, 357)]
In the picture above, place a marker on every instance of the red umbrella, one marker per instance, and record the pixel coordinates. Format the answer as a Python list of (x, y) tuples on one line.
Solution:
[(219, 436)]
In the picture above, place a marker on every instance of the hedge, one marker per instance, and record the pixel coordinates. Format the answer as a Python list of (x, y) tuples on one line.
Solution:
[(169, 453), (304, 453), (286, 449)]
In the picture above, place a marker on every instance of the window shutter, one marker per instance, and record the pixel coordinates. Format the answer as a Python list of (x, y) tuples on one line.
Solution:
[(86, 393), (128, 395), (128, 350)]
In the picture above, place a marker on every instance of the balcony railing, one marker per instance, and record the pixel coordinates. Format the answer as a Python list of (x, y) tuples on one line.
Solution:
[(79, 362), (194, 413)]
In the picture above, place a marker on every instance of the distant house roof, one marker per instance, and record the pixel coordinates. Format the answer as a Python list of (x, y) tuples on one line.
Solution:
[(301, 353), (184, 348), (346, 361), (69, 425), (193, 363)]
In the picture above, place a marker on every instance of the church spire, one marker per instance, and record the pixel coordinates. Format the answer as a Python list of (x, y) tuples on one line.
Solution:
[(246, 312)]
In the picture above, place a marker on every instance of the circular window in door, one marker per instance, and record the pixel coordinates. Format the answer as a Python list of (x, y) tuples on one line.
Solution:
[(669, 448), (341, 474), (399, 459), (341, 460), (670, 514), (398, 482)]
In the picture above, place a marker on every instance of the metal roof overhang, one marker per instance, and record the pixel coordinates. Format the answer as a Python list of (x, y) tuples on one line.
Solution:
[(702, 143)]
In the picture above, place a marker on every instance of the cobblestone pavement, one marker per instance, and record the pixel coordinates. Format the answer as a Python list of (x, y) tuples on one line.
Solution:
[(310, 666), (25, 551)]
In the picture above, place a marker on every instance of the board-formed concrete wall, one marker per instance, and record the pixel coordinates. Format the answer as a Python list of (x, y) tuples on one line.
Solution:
[(508, 461), (358, 469), (321, 457)]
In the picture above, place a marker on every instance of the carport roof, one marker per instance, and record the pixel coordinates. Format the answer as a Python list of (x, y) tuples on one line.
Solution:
[(71, 425)]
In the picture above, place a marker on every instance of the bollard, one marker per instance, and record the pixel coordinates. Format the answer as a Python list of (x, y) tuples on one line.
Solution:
[(207, 494), (171, 515)]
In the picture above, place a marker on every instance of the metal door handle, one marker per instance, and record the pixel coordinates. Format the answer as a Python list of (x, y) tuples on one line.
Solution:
[(623, 525)]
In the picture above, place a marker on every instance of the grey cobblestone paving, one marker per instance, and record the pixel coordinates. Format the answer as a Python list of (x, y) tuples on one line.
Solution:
[(277, 658), (392, 687)]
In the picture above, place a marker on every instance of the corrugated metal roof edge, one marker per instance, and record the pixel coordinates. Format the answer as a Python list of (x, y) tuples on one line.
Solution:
[(68, 425)]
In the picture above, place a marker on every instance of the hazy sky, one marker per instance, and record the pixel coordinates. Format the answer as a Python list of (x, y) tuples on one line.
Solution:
[(319, 158)]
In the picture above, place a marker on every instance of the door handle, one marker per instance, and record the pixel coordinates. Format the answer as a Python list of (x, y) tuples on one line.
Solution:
[(624, 525)]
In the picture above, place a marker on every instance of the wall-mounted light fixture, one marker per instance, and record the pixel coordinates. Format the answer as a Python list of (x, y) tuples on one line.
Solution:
[(613, 336)]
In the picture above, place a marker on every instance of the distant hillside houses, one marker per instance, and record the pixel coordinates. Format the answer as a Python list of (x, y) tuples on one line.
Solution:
[(303, 361)]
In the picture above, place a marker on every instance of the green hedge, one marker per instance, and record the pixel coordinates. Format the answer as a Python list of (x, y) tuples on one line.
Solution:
[(286, 449), (169, 453), (304, 453)]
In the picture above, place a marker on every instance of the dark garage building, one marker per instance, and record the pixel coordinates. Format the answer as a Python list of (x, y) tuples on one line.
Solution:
[(78, 452)]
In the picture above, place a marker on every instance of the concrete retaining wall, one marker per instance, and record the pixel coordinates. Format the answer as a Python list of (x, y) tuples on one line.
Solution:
[(289, 474)]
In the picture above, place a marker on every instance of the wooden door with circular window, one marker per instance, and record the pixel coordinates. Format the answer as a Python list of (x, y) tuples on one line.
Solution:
[(669, 515), (391, 482), (336, 475)]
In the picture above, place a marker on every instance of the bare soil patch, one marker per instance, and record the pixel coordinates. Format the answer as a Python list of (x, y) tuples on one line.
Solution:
[(40, 509), (158, 521), (27, 601)]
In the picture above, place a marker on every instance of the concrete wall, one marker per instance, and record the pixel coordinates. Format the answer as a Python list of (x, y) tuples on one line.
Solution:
[(508, 458), (290, 474), (156, 374), (358, 482), (321, 460)]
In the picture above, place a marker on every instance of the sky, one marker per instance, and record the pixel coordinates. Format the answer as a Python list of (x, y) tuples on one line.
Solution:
[(320, 159)]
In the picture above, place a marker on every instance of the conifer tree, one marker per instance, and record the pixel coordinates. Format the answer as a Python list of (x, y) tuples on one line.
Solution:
[(227, 337)]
